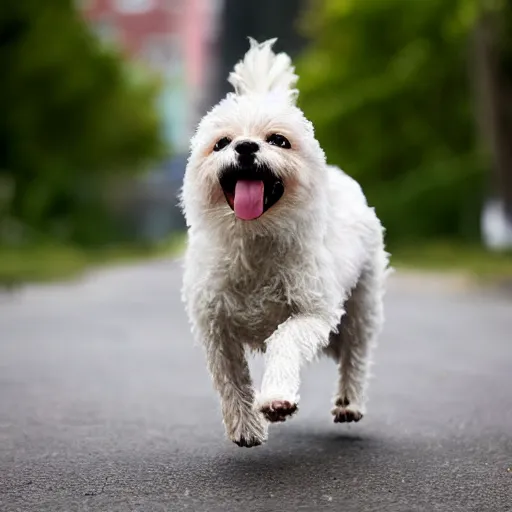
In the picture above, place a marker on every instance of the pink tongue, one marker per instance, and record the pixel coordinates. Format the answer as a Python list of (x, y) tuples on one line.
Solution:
[(248, 199)]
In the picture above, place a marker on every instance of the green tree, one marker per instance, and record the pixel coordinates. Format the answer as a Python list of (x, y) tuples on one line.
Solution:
[(386, 84), (73, 115)]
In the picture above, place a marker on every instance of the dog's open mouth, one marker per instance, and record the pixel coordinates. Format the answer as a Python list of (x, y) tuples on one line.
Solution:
[(250, 191)]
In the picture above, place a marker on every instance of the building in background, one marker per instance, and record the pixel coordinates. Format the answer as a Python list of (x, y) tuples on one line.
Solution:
[(173, 37)]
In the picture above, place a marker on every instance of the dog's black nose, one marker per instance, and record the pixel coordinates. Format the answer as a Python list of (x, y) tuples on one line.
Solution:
[(246, 148)]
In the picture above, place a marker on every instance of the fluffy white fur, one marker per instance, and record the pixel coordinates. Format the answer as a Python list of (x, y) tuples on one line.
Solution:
[(305, 278)]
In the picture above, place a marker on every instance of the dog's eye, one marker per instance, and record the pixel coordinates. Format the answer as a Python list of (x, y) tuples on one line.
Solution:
[(222, 143), (279, 140)]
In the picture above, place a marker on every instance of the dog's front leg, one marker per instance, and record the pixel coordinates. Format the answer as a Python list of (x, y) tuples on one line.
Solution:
[(231, 378), (295, 342)]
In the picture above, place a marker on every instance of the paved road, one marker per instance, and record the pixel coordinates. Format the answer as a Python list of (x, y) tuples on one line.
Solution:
[(105, 405)]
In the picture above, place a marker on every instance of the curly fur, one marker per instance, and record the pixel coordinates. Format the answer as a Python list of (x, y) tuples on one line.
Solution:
[(305, 278)]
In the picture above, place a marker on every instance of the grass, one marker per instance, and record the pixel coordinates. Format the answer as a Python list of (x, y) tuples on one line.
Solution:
[(472, 260), (56, 262), (51, 262)]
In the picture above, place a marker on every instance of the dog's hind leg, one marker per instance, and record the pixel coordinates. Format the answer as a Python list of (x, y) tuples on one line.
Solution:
[(352, 346)]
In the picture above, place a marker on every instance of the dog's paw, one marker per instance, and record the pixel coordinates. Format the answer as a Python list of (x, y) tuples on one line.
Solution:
[(344, 412), (249, 432), (344, 415), (248, 442), (277, 411)]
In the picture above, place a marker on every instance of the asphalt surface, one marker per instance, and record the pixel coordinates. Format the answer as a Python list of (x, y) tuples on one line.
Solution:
[(105, 405)]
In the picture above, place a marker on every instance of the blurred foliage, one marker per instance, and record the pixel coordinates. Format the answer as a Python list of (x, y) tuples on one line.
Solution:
[(48, 262), (74, 118), (386, 83), (465, 258)]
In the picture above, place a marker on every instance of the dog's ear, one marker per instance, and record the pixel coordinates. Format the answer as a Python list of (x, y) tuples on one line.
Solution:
[(262, 71)]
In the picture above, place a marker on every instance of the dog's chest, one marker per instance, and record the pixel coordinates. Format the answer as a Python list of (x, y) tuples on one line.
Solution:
[(253, 309)]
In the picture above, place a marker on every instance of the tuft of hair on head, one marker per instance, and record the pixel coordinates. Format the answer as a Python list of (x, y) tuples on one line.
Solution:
[(262, 71)]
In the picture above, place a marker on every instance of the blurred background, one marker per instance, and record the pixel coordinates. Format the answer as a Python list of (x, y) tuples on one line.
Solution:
[(99, 98)]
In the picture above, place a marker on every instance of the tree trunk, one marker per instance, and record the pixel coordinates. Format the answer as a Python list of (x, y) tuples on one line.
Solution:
[(494, 116)]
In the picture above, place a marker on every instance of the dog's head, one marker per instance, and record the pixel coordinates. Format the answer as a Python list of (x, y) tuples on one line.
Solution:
[(254, 159)]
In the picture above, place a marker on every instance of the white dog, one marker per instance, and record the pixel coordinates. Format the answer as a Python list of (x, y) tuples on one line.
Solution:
[(284, 254)]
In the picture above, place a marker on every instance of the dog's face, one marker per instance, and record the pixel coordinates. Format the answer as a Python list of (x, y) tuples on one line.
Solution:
[(252, 159)]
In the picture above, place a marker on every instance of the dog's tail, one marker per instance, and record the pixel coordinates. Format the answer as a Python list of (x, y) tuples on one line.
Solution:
[(262, 71)]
